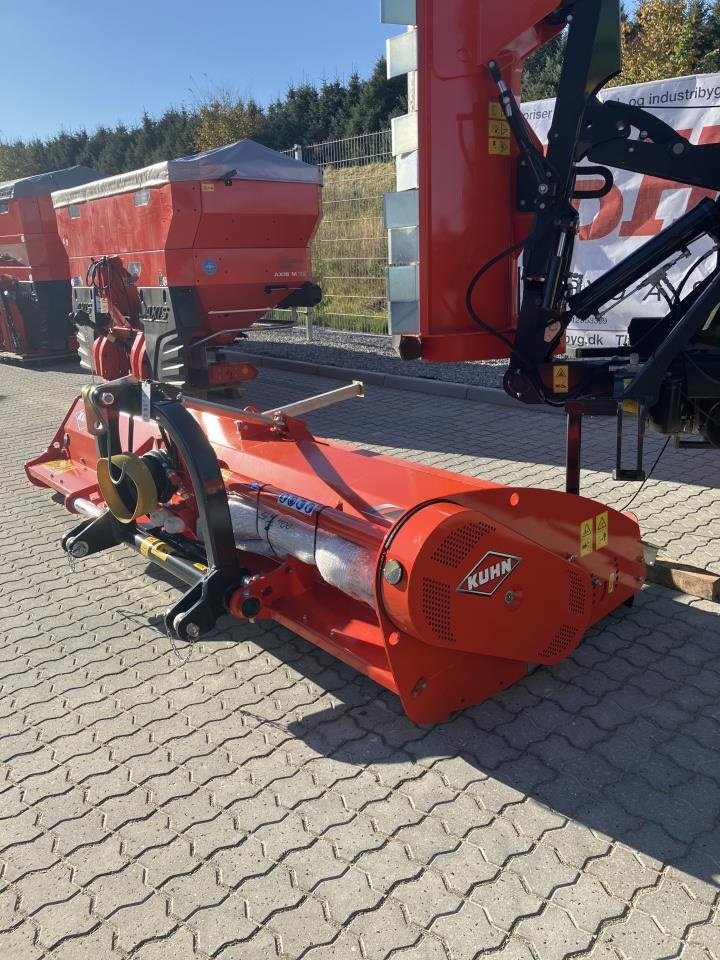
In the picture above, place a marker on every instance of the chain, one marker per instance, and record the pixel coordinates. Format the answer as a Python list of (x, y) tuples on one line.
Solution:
[(170, 634)]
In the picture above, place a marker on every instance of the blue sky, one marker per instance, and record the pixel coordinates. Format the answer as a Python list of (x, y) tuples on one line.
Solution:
[(71, 64), (76, 64)]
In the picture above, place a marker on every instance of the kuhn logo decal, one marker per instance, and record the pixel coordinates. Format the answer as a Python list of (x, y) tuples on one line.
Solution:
[(489, 575)]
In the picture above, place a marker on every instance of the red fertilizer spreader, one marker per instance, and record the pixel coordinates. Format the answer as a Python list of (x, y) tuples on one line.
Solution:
[(34, 274), (171, 263)]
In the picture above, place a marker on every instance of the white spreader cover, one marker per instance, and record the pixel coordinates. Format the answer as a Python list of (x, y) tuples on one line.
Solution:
[(43, 184), (243, 160)]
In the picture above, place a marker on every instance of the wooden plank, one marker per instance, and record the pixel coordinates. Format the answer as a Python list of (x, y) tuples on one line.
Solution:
[(692, 581)]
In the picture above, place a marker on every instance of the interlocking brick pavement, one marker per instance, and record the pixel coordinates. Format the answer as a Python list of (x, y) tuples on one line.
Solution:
[(265, 801)]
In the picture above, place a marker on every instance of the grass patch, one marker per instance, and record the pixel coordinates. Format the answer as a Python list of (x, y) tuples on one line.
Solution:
[(350, 251)]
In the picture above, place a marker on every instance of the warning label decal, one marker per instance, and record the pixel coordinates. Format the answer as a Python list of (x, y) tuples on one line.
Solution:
[(602, 530), (498, 132), (561, 379), (594, 534)]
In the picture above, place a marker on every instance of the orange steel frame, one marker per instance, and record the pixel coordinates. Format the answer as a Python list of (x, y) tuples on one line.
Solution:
[(467, 173)]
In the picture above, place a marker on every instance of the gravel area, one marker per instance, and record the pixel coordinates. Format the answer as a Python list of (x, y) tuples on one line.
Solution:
[(362, 351)]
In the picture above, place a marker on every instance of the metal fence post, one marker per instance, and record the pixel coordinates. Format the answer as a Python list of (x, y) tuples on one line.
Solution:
[(298, 151), (309, 325)]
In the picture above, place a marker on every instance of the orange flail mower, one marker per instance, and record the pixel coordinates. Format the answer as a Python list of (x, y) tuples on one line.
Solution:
[(433, 584)]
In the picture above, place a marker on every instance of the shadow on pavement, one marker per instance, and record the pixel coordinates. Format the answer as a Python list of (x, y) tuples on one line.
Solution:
[(622, 738)]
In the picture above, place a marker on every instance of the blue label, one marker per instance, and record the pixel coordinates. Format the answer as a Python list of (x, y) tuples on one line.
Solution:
[(297, 503), (210, 267)]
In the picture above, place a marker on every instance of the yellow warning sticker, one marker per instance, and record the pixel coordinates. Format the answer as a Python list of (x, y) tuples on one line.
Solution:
[(498, 147), (499, 128), (59, 466), (226, 475), (561, 378), (602, 530), (208, 188), (495, 111), (586, 537), (152, 547), (201, 567), (612, 580)]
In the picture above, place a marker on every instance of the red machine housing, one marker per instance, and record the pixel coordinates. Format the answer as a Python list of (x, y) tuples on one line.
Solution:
[(34, 272), (461, 192), (188, 251), (443, 595)]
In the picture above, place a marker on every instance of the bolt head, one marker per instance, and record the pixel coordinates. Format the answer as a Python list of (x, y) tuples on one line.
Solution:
[(79, 549), (107, 399), (193, 631), (393, 572), (510, 597), (543, 188)]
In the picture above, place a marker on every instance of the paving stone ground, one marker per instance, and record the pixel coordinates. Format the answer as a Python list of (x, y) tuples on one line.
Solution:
[(265, 801)]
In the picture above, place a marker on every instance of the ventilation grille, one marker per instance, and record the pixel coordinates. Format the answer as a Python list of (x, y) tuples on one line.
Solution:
[(455, 548), (561, 644), (436, 608), (576, 596)]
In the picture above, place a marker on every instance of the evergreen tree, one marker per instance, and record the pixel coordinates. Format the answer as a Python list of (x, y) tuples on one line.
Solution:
[(378, 102), (333, 108), (541, 75), (709, 39)]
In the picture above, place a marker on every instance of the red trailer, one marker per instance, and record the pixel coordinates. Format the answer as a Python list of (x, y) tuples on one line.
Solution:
[(34, 275), (170, 263)]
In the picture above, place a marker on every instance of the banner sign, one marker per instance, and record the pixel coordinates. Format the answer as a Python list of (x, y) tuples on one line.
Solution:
[(638, 207)]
